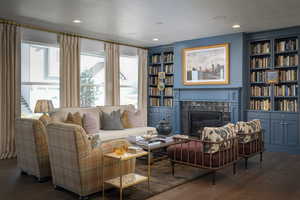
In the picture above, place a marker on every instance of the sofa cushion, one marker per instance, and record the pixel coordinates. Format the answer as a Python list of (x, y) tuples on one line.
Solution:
[(192, 152), (106, 135), (60, 115), (74, 119), (89, 122), (111, 121), (125, 120)]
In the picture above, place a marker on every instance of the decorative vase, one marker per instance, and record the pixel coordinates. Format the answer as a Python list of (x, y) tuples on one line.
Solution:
[(164, 127)]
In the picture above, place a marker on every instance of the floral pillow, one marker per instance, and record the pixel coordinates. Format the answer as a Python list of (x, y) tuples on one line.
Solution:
[(246, 128), (217, 134)]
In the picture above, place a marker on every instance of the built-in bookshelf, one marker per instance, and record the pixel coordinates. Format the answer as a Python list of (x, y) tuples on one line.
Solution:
[(282, 56), (161, 61)]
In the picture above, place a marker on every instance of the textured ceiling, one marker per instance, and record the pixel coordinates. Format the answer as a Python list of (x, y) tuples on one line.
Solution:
[(139, 21)]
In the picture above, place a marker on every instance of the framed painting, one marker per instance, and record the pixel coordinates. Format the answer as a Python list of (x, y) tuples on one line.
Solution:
[(272, 76), (206, 65)]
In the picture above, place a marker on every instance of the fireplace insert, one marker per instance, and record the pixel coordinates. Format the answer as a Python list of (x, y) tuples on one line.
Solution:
[(200, 119)]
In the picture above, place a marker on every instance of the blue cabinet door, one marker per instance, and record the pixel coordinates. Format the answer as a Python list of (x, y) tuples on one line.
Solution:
[(266, 126), (277, 132), (291, 133)]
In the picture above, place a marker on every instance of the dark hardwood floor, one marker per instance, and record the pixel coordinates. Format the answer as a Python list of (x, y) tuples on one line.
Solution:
[(279, 178)]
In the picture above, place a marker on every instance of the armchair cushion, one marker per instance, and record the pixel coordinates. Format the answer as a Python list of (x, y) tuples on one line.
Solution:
[(247, 128), (192, 152), (217, 134)]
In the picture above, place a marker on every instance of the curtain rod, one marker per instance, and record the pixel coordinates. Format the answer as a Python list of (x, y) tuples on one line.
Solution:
[(5, 21)]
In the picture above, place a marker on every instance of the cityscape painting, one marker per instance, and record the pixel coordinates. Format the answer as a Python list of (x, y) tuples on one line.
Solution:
[(206, 65)]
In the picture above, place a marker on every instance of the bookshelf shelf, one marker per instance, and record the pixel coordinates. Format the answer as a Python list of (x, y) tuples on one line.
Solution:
[(282, 55), (161, 61), (260, 55)]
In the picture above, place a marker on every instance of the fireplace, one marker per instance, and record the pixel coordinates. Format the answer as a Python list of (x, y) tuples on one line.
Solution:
[(197, 115)]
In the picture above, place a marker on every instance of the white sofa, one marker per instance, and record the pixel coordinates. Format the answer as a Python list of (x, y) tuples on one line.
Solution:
[(135, 118)]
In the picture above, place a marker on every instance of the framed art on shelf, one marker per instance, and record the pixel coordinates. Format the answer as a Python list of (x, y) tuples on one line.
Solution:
[(272, 76), (206, 65)]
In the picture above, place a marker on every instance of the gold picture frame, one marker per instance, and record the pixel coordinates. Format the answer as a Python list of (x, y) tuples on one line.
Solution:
[(215, 59)]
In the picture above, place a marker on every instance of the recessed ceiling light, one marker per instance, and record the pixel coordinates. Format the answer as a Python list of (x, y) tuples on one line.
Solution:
[(155, 39), (236, 26), (77, 21)]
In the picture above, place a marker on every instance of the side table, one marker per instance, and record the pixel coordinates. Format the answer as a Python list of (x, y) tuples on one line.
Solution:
[(125, 180)]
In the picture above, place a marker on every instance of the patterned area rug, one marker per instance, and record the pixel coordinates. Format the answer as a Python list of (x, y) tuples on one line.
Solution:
[(161, 180)]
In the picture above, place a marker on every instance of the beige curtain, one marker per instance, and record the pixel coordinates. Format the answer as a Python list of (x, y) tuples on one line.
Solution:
[(112, 71), (69, 71), (9, 87), (142, 87)]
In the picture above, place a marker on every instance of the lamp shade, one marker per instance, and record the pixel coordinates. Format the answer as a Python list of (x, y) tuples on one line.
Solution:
[(43, 106)]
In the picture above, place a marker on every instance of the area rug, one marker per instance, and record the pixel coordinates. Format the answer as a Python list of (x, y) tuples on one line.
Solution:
[(161, 180)]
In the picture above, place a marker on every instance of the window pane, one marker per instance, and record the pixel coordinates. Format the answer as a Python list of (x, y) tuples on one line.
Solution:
[(92, 80), (39, 75), (128, 80)]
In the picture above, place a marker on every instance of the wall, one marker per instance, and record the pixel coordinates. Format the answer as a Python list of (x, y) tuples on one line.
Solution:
[(236, 46), (232, 92)]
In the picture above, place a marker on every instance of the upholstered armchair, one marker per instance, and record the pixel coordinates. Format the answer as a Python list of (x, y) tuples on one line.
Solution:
[(32, 148), (217, 149), (76, 165)]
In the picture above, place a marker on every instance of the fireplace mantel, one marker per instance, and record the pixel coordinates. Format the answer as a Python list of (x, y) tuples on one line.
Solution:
[(232, 96)]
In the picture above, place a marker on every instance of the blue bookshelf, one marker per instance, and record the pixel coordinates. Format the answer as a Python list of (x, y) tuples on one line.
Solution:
[(276, 105)]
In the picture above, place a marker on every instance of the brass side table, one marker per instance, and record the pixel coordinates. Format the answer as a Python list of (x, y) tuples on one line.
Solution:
[(125, 180)]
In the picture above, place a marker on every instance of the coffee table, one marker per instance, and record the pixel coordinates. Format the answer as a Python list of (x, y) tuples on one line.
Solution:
[(157, 151)]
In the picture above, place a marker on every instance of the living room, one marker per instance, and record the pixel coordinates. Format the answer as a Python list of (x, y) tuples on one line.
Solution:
[(149, 99)]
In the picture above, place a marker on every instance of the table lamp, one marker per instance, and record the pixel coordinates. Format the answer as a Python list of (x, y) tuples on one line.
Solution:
[(43, 106)]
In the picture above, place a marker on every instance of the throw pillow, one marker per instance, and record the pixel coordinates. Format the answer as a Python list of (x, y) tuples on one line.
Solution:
[(111, 121), (45, 119), (125, 120), (246, 128), (74, 119), (89, 123)]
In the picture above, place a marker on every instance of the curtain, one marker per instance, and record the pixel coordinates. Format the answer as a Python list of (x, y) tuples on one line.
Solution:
[(9, 87), (112, 74), (69, 71), (142, 84)]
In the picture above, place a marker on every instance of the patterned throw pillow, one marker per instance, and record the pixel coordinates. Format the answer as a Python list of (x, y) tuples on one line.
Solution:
[(217, 134), (111, 121), (89, 123), (246, 128), (125, 120), (45, 119), (74, 119)]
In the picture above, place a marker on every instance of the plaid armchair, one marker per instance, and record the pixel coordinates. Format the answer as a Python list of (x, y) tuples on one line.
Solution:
[(32, 148), (76, 165)]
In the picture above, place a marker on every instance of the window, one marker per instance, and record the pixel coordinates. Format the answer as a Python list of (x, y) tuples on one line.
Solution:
[(39, 75), (128, 76), (92, 80)]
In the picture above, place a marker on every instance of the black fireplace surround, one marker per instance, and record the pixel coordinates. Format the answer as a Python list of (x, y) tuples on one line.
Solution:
[(199, 114)]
